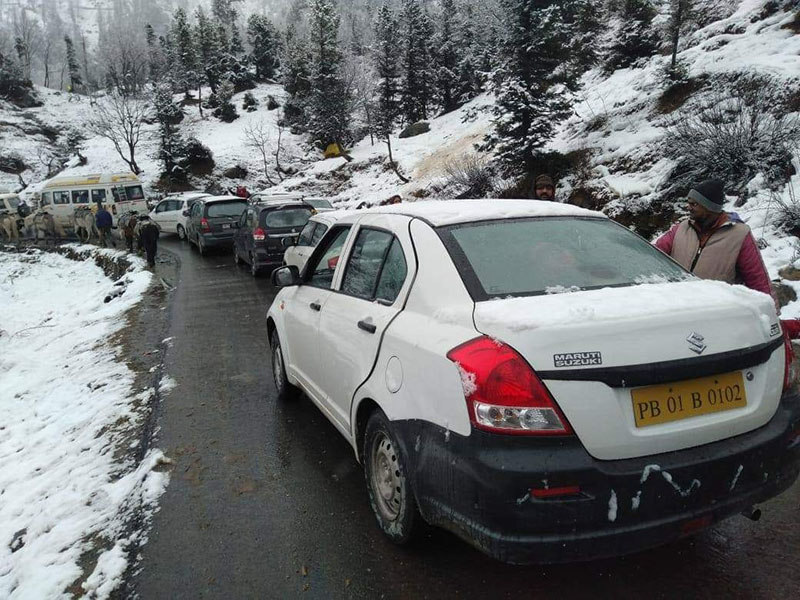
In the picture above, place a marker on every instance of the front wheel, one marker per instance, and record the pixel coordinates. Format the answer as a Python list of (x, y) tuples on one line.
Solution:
[(286, 391), (389, 489), (181, 233)]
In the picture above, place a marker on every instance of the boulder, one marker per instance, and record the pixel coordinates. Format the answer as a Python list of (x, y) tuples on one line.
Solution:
[(417, 128), (272, 104), (235, 172)]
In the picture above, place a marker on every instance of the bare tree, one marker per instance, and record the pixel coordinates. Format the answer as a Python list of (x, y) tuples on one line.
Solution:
[(257, 135), (278, 149), (119, 119)]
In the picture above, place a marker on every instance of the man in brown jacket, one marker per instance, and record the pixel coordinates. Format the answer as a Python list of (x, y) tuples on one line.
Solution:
[(712, 245)]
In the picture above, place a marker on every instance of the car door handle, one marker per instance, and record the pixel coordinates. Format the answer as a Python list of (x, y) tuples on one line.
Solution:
[(368, 327), (315, 306)]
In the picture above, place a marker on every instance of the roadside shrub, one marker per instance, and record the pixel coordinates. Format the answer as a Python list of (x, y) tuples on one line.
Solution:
[(226, 111), (734, 139), (197, 158), (472, 175), (249, 103)]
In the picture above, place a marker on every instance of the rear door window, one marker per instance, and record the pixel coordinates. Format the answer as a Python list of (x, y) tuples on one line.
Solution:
[(322, 270), (98, 196), (80, 196), (318, 233), (307, 234), (46, 200), (365, 262), (231, 208), (286, 217), (393, 274)]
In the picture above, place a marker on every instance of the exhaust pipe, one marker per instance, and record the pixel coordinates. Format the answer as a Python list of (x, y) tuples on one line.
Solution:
[(752, 513)]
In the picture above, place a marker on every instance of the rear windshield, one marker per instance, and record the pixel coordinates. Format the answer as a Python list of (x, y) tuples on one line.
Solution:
[(524, 257), (285, 217), (318, 202), (231, 208)]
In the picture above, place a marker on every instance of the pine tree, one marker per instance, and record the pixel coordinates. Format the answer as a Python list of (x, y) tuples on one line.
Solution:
[(155, 58), (416, 86), (264, 40), (468, 72), (635, 37), (209, 54), (447, 57), (680, 12), (585, 21), (171, 146), (225, 110), (185, 65), (388, 70), (296, 77), (76, 81), (328, 104), (224, 12), (531, 98)]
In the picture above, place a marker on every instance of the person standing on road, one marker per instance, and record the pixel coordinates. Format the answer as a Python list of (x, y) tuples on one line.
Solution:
[(544, 188), (103, 221), (127, 229), (148, 238), (713, 244)]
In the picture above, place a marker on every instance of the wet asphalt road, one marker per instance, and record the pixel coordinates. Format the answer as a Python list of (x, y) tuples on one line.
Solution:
[(267, 500)]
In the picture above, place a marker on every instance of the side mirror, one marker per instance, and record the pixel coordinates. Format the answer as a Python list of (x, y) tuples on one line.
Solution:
[(288, 241), (185, 213), (286, 276)]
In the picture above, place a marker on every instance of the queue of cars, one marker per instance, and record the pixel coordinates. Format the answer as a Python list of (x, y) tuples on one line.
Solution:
[(536, 378)]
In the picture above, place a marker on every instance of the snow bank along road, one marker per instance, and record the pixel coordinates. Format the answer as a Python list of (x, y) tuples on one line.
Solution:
[(71, 479), (266, 499)]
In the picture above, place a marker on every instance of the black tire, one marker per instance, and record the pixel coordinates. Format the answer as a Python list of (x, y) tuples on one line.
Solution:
[(200, 247), (286, 391), (236, 259), (181, 233), (388, 484), (254, 269)]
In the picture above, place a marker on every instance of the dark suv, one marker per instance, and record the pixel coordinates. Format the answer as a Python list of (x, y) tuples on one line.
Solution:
[(262, 228), (212, 221)]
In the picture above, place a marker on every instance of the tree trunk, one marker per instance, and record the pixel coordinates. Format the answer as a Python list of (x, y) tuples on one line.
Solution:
[(677, 21), (200, 99), (394, 164)]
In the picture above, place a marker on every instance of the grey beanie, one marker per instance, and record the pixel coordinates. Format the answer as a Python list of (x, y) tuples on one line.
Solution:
[(710, 194)]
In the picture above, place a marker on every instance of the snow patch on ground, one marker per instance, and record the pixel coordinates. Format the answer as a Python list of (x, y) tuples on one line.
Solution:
[(67, 482)]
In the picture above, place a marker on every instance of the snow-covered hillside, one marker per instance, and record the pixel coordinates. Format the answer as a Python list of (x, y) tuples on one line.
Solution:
[(617, 129)]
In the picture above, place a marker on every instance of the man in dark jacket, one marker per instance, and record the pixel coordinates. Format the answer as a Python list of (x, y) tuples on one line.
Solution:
[(102, 219), (148, 238), (713, 245)]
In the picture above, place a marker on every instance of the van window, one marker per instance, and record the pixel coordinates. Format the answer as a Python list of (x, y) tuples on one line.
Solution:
[(12, 202), (98, 196), (115, 193), (60, 197), (46, 200), (134, 192), (80, 196)]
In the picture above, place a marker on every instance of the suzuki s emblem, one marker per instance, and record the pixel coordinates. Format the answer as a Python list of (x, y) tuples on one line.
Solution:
[(696, 342)]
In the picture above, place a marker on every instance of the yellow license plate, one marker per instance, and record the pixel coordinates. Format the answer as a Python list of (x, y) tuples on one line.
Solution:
[(657, 404)]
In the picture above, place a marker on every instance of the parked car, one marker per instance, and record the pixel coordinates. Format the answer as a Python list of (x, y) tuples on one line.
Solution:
[(262, 229), (213, 220), (536, 378), (168, 213), (299, 251), (319, 204)]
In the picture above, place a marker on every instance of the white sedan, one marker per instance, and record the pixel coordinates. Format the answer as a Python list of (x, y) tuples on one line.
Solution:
[(536, 378)]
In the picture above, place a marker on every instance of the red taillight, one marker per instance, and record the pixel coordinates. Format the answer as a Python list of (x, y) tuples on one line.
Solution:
[(259, 235), (556, 492), (503, 393), (789, 372), (204, 226)]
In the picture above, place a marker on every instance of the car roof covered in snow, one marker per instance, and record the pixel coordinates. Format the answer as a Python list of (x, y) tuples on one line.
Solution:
[(450, 212), (211, 199)]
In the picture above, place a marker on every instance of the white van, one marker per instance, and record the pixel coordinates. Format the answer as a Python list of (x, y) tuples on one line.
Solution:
[(118, 192)]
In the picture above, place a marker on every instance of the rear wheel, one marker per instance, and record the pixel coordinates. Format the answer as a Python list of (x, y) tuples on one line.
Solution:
[(181, 233), (286, 391), (236, 259), (389, 489), (254, 269), (200, 247)]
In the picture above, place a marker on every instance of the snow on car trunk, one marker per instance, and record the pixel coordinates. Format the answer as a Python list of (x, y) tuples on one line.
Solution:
[(608, 357), (67, 481)]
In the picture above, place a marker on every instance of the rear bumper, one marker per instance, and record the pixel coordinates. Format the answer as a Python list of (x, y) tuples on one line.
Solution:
[(269, 256), (479, 487), (217, 239)]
